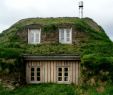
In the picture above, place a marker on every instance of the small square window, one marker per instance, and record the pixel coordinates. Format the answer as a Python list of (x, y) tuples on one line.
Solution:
[(59, 69), (65, 78), (65, 74), (38, 74), (38, 69), (59, 74), (32, 69), (32, 74), (38, 78), (32, 78), (65, 69), (59, 78)]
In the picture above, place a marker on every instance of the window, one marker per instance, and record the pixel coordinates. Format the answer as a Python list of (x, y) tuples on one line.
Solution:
[(65, 36), (63, 74), (35, 74), (34, 36)]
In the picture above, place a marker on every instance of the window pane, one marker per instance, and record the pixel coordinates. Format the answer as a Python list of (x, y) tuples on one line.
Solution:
[(60, 69), (32, 37), (65, 78), (38, 69), (38, 74), (37, 37), (59, 78), (65, 69), (68, 34), (38, 78), (61, 35), (32, 74), (32, 69), (65, 74), (32, 78), (59, 74)]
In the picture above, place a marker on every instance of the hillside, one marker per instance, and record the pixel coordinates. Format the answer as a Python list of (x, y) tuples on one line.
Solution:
[(94, 47)]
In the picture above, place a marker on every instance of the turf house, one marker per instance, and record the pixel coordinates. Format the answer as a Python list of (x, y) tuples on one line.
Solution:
[(55, 50)]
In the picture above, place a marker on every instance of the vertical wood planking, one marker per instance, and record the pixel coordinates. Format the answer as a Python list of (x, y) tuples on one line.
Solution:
[(55, 72), (49, 71), (27, 72), (52, 71), (45, 71), (41, 72), (76, 72), (70, 72)]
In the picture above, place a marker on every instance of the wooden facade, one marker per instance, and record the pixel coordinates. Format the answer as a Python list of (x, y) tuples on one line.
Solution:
[(52, 69)]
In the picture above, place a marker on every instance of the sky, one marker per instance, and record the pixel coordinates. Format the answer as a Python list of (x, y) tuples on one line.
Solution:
[(100, 11)]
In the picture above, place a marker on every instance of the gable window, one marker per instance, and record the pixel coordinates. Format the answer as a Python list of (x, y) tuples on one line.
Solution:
[(65, 36), (34, 36)]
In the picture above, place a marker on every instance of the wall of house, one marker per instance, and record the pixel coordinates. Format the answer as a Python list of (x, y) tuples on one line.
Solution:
[(48, 71), (51, 36)]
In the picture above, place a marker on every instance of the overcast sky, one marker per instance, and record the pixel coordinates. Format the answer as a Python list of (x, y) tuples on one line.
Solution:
[(13, 10)]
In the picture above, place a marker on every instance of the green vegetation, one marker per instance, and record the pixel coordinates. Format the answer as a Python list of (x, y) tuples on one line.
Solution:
[(40, 89), (57, 89)]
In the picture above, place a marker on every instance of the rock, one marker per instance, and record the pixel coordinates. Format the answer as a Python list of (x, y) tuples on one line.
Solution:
[(100, 89), (92, 81), (10, 87), (17, 84)]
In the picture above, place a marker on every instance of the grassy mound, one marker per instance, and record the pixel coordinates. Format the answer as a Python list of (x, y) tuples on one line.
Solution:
[(95, 48)]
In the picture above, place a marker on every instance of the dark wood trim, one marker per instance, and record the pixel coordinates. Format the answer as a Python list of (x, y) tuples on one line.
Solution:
[(55, 57)]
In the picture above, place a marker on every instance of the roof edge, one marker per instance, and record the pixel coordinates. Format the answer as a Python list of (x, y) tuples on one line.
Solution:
[(52, 57)]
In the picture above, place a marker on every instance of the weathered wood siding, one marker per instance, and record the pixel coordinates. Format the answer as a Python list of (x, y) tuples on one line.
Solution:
[(48, 71)]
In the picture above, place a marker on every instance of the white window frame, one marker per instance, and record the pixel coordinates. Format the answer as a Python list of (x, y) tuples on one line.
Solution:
[(35, 75), (34, 36), (63, 76), (63, 39)]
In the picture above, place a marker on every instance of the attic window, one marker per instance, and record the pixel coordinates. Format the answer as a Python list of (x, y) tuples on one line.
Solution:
[(65, 36), (34, 36)]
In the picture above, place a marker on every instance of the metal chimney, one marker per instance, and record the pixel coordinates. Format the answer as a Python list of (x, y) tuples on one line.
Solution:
[(81, 9)]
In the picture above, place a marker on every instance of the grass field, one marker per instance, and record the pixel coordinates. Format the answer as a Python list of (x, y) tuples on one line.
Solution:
[(57, 89), (40, 89)]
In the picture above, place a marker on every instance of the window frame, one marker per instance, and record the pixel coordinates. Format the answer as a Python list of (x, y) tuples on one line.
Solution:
[(62, 74), (35, 75), (64, 30), (34, 36)]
